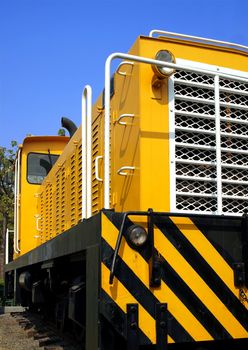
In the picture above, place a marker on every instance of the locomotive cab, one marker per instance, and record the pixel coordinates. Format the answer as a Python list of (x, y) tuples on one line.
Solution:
[(35, 157)]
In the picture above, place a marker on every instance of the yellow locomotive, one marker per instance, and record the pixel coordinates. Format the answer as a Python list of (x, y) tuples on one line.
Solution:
[(134, 231)]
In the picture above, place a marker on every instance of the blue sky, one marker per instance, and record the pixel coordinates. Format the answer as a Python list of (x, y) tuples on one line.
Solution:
[(50, 49)]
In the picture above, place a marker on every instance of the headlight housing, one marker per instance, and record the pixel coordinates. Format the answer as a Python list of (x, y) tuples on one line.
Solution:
[(136, 236), (166, 56)]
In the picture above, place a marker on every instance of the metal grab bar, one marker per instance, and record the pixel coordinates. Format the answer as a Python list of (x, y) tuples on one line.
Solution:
[(124, 63), (86, 151), (97, 168), (37, 220), (121, 170), (197, 38), (122, 116), (7, 245)]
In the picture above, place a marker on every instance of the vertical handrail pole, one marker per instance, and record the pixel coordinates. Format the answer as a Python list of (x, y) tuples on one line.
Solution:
[(86, 152), (84, 157), (88, 97), (15, 207), (16, 202), (18, 199), (107, 170), (7, 247)]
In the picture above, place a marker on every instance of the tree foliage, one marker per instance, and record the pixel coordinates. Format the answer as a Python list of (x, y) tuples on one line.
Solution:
[(7, 158), (61, 132)]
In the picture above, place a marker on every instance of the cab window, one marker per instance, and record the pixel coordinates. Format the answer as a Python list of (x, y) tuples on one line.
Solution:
[(38, 166)]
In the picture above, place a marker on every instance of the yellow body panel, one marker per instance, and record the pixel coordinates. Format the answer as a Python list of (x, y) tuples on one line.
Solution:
[(60, 203), (143, 143)]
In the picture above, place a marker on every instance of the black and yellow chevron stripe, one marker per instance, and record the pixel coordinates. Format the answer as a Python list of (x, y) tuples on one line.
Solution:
[(197, 283)]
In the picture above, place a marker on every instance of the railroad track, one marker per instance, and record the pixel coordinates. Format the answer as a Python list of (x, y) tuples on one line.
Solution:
[(34, 333)]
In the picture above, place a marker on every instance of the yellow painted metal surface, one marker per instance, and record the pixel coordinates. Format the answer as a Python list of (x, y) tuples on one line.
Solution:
[(59, 201), (142, 143)]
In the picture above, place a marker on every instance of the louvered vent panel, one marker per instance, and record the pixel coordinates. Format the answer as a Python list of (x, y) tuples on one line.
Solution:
[(197, 188), (95, 153), (73, 192), (63, 199), (47, 214), (50, 210), (42, 221), (79, 181), (57, 202)]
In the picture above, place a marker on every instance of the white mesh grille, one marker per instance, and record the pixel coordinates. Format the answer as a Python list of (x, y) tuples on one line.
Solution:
[(198, 188)]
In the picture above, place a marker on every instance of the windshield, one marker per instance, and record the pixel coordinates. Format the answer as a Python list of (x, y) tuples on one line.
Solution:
[(39, 166)]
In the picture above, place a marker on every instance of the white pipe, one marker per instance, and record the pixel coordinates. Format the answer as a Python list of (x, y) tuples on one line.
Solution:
[(15, 207), (88, 92), (84, 158), (86, 151), (7, 246), (210, 41), (97, 168), (16, 203), (18, 200)]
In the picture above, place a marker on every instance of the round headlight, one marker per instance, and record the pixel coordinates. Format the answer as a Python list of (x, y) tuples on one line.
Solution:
[(136, 235), (166, 56)]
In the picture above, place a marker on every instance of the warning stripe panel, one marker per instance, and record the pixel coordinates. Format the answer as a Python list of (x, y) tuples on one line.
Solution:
[(122, 297), (203, 269), (140, 267), (192, 302), (118, 317), (207, 251), (198, 286), (142, 294), (181, 289)]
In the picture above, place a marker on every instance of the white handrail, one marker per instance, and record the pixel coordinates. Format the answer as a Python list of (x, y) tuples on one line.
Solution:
[(127, 168), (15, 207), (86, 151), (18, 199), (37, 220), (7, 246), (122, 116), (97, 168), (16, 202), (123, 64), (198, 38), (119, 55)]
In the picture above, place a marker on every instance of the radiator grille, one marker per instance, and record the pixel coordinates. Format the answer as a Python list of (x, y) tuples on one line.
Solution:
[(202, 181)]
